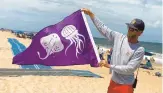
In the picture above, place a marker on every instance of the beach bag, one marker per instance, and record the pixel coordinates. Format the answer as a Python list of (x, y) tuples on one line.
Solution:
[(135, 83)]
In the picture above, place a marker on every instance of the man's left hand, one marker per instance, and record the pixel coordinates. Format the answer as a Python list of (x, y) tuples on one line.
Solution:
[(107, 65), (101, 63), (104, 63)]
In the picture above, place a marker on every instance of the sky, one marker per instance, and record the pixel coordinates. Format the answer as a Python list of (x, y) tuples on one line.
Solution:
[(33, 15)]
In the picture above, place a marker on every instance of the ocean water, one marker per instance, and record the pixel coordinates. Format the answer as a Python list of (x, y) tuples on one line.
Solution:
[(149, 46)]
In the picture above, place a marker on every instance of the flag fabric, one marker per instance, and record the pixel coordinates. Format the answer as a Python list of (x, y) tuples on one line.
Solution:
[(68, 42)]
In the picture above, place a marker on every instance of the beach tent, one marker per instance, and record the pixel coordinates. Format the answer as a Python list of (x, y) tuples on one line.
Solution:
[(30, 35), (148, 53), (20, 32)]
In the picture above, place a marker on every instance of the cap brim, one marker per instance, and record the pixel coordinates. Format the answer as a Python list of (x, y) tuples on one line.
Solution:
[(130, 25)]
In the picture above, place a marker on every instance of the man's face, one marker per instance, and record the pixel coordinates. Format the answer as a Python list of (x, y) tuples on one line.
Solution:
[(133, 33)]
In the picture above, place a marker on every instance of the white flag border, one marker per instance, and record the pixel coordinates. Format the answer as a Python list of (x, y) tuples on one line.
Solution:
[(91, 37)]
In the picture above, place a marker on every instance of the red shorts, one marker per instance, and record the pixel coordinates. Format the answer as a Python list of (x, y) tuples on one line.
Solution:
[(119, 88)]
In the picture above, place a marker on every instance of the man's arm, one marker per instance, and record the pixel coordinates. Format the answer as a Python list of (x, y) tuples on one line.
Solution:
[(104, 30), (132, 65)]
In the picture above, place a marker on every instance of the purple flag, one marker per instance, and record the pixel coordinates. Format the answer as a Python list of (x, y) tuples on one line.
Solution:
[(68, 42)]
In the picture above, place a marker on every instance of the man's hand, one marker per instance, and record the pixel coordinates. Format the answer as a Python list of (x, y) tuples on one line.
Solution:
[(107, 65), (104, 63), (88, 12)]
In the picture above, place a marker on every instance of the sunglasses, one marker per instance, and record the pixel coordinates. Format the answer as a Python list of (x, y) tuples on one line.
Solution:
[(132, 29)]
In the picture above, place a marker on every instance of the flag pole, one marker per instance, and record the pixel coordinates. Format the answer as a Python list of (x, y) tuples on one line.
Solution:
[(91, 37)]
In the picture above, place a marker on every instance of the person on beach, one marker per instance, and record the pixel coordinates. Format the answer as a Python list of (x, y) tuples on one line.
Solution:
[(101, 52), (127, 53), (109, 55), (148, 65), (105, 55)]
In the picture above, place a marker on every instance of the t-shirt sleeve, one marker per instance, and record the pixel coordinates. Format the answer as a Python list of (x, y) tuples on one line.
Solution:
[(104, 30), (132, 65)]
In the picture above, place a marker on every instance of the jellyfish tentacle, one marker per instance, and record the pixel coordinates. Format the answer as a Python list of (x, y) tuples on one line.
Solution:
[(77, 45), (73, 39), (76, 38), (68, 46), (82, 43), (77, 48), (81, 36), (76, 42), (77, 52), (80, 46), (79, 40)]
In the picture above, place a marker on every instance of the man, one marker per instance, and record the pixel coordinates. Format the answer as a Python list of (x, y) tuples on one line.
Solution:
[(126, 56)]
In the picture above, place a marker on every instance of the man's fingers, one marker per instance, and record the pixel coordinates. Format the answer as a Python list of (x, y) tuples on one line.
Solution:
[(84, 9), (101, 64)]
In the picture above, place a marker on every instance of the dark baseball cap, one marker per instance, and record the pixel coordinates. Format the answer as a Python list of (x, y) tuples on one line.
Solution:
[(137, 24)]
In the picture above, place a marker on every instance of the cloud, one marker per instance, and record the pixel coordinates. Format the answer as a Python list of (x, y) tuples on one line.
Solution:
[(124, 11), (1, 16), (112, 11), (154, 24), (35, 14)]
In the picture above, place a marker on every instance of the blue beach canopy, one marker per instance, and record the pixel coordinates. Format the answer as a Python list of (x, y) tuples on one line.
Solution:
[(148, 53)]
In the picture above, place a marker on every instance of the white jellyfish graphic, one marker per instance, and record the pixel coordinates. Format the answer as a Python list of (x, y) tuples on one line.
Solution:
[(51, 44), (71, 33)]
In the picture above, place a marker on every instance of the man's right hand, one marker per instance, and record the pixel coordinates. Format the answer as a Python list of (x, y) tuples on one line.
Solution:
[(88, 12)]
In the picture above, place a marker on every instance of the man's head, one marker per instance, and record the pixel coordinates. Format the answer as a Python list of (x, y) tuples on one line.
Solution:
[(135, 28)]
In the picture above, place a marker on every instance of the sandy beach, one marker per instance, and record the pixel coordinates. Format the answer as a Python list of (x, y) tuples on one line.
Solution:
[(147, 81)]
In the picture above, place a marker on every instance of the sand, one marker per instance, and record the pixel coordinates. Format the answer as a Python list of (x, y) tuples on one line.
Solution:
[(147, 82)]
